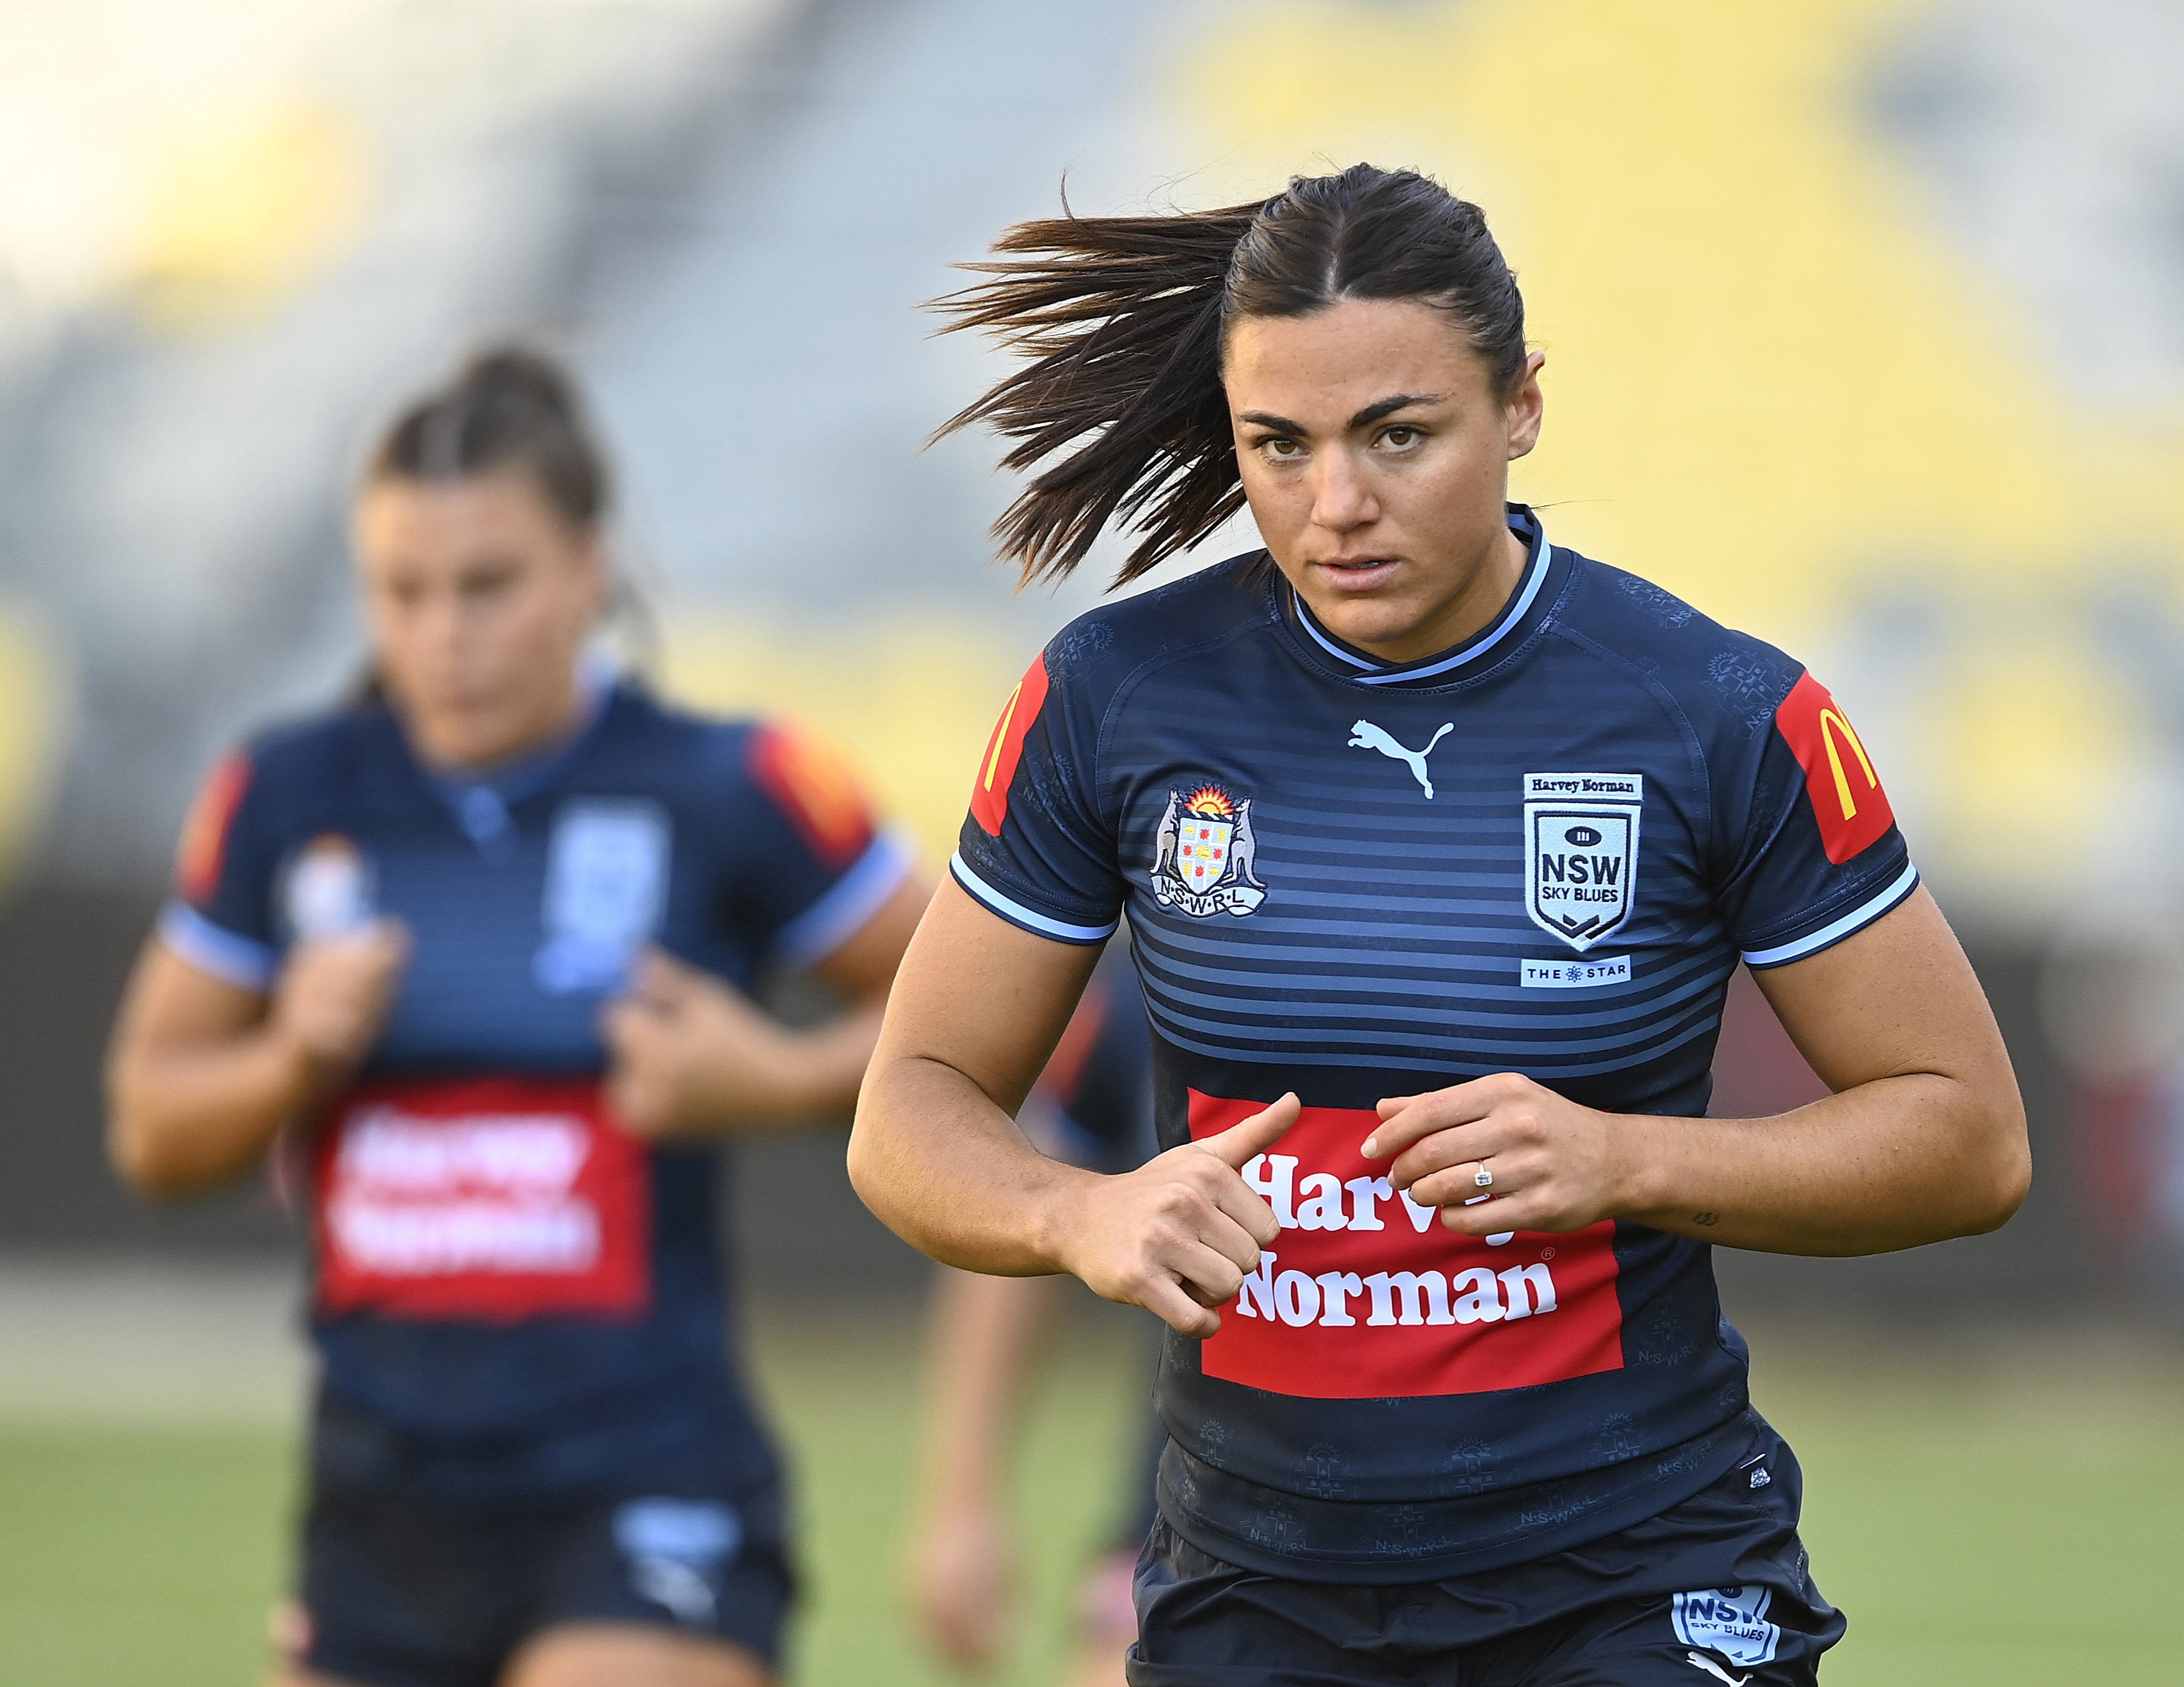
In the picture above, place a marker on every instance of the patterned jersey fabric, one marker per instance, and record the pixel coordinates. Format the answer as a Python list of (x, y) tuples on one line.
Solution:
[(1541, 852)]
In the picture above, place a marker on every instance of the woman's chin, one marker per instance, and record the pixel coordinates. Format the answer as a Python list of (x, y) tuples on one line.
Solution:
[(464, 739)]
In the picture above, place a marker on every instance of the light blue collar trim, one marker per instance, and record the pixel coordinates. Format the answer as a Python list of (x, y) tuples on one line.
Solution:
[(1535, 576)]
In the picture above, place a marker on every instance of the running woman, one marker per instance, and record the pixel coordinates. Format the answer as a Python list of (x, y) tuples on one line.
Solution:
[(478, 950), (1438, 844), (1093, 1107)]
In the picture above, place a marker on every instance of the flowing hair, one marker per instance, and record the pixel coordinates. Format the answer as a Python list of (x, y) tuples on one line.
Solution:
[(1120, 323)]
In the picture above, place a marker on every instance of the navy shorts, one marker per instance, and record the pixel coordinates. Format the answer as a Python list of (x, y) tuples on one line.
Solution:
[(400, 1592), (1715, 1588)]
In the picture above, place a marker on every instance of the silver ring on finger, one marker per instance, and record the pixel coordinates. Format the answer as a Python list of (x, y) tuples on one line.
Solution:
[(1483, 1178)]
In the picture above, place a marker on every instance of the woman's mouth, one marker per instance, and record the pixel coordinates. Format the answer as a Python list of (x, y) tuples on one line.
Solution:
[(1358, 574)]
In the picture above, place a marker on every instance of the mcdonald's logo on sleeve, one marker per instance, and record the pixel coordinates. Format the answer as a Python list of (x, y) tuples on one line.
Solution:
[(990, 793), (1847, 800)]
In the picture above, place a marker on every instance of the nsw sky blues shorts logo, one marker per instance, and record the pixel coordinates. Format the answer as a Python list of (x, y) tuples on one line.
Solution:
[(1731, 1621), (677, 1550)]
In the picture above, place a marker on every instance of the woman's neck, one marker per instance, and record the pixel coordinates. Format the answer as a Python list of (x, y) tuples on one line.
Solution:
[(462, 750)]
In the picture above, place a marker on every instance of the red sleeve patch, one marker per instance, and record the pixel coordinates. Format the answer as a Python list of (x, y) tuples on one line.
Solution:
[(813, 784), (1847, 800), (997, 767), (204, 847)]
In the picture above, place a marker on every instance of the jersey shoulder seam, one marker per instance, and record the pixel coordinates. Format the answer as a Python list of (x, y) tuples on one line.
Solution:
[(1663, 696), (1137, 677)]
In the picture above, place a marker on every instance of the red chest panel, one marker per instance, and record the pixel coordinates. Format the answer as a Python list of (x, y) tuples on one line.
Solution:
[(492, 1198), (1366, 1297)]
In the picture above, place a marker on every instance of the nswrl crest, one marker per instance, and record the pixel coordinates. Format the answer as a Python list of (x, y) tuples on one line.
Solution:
[(1204, 855), (1581, 853)]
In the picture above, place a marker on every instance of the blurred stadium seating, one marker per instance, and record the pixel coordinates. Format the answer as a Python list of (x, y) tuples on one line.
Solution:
[(1855, 335)]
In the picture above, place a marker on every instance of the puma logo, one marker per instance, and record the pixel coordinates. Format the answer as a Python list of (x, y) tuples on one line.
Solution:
[(1700, 1660), (1370, 736)]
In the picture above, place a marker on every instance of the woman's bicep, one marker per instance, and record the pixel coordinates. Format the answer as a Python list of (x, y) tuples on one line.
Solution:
[(169, 1131), (1898, 997), (865, 963), (983, 996), (170, 1002)]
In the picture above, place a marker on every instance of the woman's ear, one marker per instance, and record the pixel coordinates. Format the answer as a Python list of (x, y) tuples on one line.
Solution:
[(1525, 407), (598, 562)]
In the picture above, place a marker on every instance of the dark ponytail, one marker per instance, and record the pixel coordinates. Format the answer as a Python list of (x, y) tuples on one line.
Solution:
[(508, 408), (1123, 321)]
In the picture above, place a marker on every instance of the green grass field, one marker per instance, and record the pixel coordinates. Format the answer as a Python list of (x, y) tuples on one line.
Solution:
[(1989, 1515)]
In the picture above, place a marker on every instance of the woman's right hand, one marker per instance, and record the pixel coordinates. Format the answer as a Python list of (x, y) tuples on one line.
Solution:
[(333, 993), (1177, 1235)]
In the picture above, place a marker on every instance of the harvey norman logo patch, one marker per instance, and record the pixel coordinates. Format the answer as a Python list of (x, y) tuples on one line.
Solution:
[(1365, 1295), (1581, 852)]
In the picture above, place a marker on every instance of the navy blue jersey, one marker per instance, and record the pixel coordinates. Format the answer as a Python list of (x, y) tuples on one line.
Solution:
[(513, 1295), (1541, 852)]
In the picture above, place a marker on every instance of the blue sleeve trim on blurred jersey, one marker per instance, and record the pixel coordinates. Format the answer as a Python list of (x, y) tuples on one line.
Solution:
[(857, 896), (233, 959), (1017, 914), (1813, 943)]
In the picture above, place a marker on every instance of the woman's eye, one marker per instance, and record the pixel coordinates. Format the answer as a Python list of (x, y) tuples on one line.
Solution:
[(1280, 447), (1401, 436)]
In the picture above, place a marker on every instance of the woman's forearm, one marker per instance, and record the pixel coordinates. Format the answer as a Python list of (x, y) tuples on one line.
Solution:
[(947, 1170), (827, 1063), (986, 1333), (186, 1118), (1892, 1163)]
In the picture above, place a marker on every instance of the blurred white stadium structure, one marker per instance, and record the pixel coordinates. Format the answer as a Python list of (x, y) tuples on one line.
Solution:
[(1865, 322)]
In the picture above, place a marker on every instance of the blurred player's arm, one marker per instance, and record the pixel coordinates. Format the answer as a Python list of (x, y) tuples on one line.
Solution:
[(1923, 1138), (976, 1012), (690, 1056), (202, 1075), (985, 1334)]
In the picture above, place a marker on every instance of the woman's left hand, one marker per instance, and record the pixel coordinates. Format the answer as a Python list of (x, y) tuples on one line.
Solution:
[(690, 1056), (1553, 1164)]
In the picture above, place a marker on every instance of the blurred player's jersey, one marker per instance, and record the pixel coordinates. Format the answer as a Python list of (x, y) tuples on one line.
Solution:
[(1541, 852), (1092, 1105), (512, 1295)]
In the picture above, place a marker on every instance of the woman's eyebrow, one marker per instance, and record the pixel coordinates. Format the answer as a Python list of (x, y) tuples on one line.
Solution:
[(1388, 406), (1365, 418)]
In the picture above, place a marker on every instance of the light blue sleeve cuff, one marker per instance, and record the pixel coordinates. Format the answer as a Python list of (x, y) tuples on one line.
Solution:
[(1834, 933), (241, 961), (1029, 918), (856, 897)]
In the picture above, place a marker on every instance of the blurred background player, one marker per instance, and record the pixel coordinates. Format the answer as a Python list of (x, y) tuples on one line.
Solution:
[(472, 955), (1092, 1107)]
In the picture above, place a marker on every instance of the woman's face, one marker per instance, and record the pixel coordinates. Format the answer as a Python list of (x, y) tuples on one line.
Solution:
[(479, 597), (1375, 454)]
